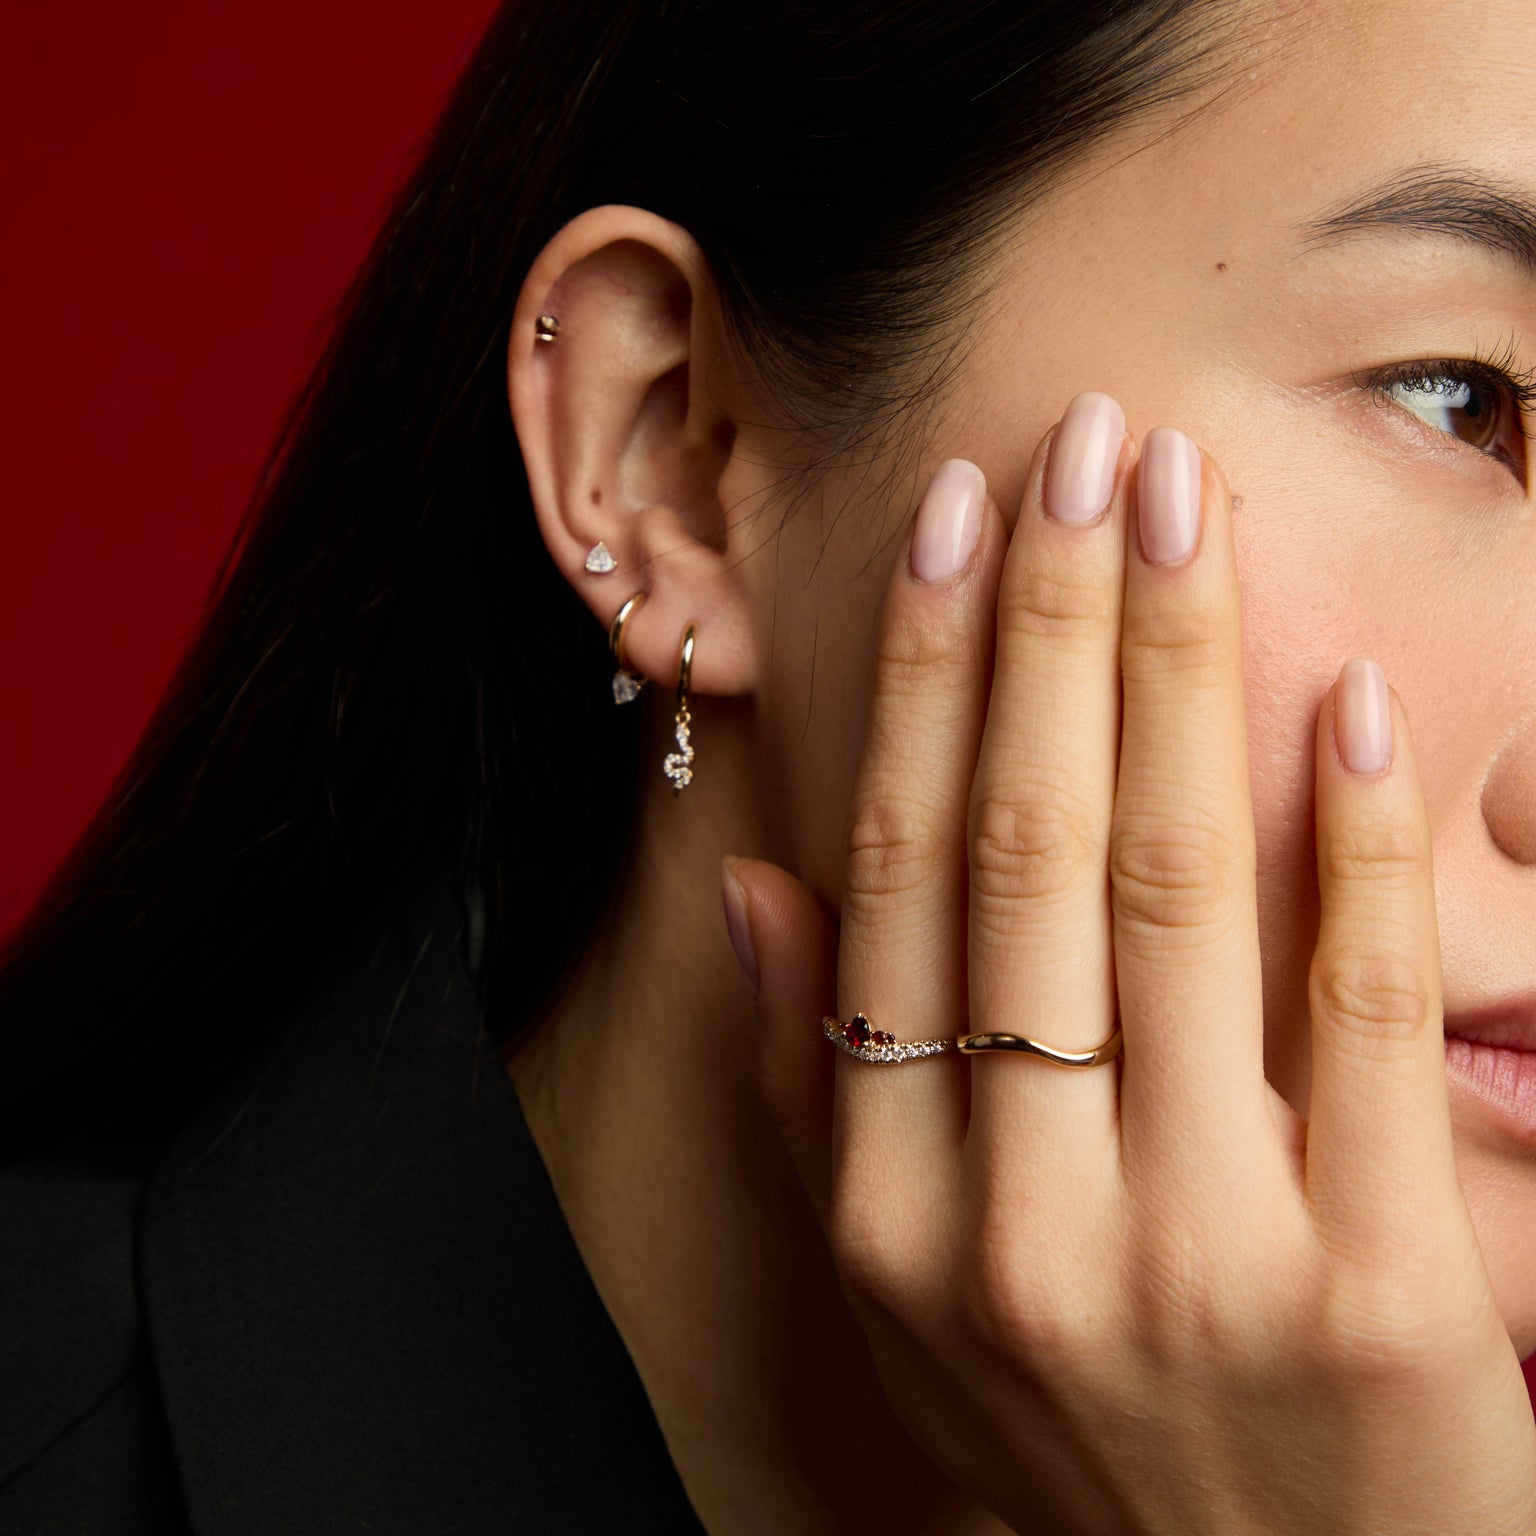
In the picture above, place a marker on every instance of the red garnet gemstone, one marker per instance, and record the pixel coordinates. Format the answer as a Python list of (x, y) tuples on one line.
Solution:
[(884, 1037), (857, 1032)]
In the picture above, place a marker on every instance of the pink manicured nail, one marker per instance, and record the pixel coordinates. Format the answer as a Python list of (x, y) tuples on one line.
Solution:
[(949, 521), (1169, 499), (1362, 717), (1084, 454)]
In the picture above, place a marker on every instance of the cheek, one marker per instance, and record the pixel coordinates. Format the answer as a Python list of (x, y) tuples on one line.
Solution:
[(819, 616), (1295, 638)]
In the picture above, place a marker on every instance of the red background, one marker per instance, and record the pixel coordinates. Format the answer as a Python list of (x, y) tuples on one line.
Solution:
[(184, 188)]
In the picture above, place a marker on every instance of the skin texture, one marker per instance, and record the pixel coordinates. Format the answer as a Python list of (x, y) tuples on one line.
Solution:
[(1361, 531)]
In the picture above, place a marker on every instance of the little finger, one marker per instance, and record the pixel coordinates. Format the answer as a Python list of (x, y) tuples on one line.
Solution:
[(1379, 1149)]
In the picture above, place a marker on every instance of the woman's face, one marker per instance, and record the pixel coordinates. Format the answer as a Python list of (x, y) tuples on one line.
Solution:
[(1177, 273)]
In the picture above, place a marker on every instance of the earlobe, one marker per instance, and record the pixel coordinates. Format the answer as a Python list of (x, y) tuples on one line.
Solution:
[(625, 448)]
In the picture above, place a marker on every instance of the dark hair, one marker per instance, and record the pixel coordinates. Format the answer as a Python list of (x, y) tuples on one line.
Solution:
[(390, 671)]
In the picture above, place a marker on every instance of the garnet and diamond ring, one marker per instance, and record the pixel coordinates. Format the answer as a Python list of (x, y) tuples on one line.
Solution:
[(860, 1038)]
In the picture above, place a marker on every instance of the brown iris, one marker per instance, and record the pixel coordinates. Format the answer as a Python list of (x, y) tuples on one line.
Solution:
[(1479, 414)]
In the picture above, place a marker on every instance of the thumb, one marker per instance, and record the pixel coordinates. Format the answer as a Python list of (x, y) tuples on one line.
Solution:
[(786, 940)]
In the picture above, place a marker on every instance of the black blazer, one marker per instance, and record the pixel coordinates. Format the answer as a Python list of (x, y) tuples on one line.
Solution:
[(346, 1301)]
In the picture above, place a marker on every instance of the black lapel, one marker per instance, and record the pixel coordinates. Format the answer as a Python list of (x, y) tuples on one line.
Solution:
[(366, 1310)]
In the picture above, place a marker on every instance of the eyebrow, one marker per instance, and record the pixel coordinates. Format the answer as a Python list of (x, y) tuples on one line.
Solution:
[(1447, 202)]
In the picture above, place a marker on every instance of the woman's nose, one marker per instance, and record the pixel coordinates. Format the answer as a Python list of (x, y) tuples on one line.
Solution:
[(1509, 797)]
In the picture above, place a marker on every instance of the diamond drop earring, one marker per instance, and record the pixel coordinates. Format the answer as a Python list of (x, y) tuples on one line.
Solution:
[(678, 766), (626, 684)]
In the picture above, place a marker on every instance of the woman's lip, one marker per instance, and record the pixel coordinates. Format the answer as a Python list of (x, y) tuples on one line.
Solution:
[(1490, 1053), (1510, 1023), (1503, 1078)]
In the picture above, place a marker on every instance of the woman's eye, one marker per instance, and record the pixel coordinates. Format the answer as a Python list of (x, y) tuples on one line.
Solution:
[(1470, 403), (1457, 407)]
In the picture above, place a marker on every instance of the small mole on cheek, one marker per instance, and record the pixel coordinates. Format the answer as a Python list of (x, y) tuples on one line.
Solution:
[(1221, 266), (597, 497), (1237, 503)]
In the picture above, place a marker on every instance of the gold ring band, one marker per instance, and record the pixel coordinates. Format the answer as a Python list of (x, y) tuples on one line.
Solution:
[(858, 1037), (971, 1044)]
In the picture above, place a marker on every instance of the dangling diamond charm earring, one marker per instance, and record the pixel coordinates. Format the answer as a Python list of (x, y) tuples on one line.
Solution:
[(678, 765), (600, 559), (626, 684), (546, 328)]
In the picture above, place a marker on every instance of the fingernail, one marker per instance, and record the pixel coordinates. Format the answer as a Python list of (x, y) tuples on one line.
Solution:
[(1084, 454), (1362, 716), (949, 521), (736, 923), (1169, 496)]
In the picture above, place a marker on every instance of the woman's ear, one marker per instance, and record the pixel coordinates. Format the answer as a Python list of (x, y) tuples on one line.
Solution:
[(624, 444)]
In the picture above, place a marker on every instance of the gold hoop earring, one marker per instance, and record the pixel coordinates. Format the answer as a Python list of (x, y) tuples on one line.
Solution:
[(678, 765), (626, 683)]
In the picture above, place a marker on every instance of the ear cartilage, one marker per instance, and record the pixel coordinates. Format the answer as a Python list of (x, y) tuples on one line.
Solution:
[(546, 328), (600, 560)]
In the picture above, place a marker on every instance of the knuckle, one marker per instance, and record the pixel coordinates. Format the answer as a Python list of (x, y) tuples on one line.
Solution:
[(1177, 1303), (1180, 870), (870, 1254), (1372, 995), (1382, 1324), (910, 647), (1177, 642), (892, 840), (1042, 604), (1203, 1290), (1035, 849), (1380, 853), (1008, 1308), (1027, 1301)]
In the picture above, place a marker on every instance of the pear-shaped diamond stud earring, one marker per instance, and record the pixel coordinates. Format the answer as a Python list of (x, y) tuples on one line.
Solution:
[(600, 560)]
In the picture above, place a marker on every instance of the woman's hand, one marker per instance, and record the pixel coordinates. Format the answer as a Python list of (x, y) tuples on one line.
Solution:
[(1144, 1296)]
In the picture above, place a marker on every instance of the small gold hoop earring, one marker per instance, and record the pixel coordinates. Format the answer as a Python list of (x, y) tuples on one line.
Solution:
[(626, 683), (546, 328), (678, 766)]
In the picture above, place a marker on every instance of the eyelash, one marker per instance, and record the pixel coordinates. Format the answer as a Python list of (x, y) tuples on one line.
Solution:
[(1497, 372)]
